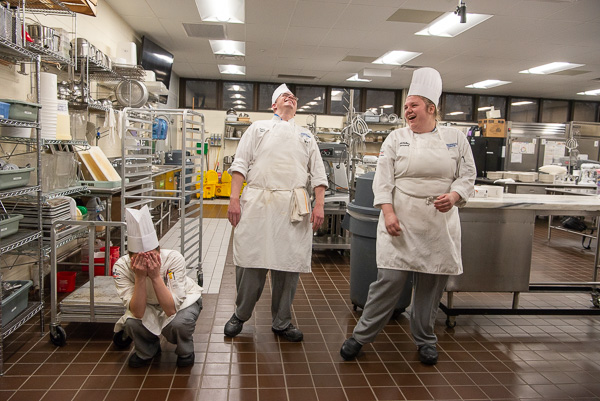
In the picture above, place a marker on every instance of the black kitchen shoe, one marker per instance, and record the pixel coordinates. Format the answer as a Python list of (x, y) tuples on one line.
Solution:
[(290, 333), (136, 362), (350, 349), (428, 354), (234, 326), (185, 361)]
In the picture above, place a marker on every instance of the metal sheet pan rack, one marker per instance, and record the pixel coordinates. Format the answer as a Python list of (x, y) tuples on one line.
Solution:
[(95, 301), (138, 155)]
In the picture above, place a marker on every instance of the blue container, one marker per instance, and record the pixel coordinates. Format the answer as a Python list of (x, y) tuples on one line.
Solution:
[(4, 109)]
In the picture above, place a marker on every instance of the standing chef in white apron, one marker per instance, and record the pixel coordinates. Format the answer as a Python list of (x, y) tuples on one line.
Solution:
[(423, 171), (159, 297), (272, 220)]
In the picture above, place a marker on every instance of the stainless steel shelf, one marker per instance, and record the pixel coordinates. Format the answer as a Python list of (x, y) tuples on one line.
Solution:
[(232, 139), (55, 7), (13, 52), (238, 123), (69, 191), (331, 242), (32, 309), (8, 193), (48, 55), (18, 239), (16, 123)]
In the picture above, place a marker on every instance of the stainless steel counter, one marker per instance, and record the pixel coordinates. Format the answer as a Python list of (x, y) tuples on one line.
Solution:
[(497, 242)]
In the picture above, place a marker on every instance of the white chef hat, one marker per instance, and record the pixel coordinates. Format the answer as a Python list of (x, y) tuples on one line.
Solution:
[(141, 235), (426, 82), (281, 89)]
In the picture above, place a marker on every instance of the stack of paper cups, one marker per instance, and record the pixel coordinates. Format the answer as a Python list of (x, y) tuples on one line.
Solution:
[(49, 102), (63, 122)]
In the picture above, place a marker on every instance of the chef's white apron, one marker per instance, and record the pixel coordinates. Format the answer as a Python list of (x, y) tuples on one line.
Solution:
[(265, 237), (430, 240)]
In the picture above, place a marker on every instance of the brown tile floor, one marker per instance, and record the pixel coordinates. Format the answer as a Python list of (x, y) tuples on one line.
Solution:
[(482, 358)]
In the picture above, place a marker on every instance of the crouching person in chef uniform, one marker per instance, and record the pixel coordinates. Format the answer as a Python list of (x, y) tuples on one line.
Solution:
[(423, 173), (273, 220), (159, 297)]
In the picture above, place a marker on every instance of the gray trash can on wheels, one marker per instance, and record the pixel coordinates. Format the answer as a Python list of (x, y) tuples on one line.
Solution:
[(361, 221)]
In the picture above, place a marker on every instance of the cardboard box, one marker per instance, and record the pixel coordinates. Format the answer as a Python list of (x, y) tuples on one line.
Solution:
[(495, 128)]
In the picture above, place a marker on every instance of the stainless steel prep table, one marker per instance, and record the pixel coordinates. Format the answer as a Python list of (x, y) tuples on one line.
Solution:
[(497, 242)]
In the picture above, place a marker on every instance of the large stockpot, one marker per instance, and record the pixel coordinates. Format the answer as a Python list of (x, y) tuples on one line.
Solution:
[(81, 47), (43, 35)]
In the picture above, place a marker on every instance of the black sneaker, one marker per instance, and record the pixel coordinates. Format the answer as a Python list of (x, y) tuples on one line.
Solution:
[(350, 349), (234, 326), (290, 333), (136, 362), (428, 354), (185, 361)]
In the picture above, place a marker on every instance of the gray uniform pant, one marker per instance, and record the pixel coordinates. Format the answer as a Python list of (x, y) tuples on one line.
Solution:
[(384, 295), (250, 283), (179, 331)]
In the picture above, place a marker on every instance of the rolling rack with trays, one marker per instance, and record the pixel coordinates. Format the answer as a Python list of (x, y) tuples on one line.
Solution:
[(138, 144)]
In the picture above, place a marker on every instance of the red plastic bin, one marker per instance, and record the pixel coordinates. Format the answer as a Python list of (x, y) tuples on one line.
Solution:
[(98, 267), (65, 281)]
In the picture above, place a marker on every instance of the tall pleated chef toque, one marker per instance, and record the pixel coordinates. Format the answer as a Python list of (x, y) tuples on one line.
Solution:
[(281, 89), (426, 82), (141, 235)]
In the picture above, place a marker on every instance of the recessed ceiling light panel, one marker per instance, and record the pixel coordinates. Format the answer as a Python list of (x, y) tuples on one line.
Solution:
[(355, 78), (228, 11), (595, 92), (551, 68), (232, 69), (449, 25), (228, 47), (396, 57), (488, 83)]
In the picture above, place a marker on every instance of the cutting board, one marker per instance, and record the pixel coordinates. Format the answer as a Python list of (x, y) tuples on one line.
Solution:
[(91, 166), (104, 164)]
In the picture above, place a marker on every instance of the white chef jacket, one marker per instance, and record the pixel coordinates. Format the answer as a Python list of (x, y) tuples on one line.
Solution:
[(413, 170), (185, 290), (276, 157)]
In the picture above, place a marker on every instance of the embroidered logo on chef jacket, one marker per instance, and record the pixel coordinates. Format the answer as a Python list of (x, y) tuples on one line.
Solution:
[(262, 130), (305, 137), (404, 144), (452, 145), (116, 273)]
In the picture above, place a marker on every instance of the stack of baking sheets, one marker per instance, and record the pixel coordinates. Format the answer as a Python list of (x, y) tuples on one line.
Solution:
[(107, 304), (53, 210)]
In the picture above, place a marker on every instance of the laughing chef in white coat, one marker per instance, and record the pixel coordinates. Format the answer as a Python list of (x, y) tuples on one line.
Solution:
[(279, 160), (160, 298), (423, 172)]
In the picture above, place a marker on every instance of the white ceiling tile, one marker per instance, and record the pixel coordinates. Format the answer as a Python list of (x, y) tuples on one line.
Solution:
[(181, 10), (298, 52), (363, 17), (131, 8), (312, 14), (302, 36), (269, 12)]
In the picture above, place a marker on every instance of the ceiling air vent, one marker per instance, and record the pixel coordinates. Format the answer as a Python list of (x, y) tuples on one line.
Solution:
[(407, 67), (206, 31), (290, 76)]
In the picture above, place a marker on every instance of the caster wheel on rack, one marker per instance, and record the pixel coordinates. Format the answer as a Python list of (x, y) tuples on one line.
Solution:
[(451, 322), (596, 299), (58, 336), (200, 279), (121, 340)]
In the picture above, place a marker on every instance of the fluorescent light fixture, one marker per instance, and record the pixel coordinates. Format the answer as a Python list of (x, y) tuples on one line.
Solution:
[(228, 47), (312, 103), (484, 108), (488, 83), (386, 106), (355, 78), (594, 92), (551, 68), (230, 11), (237, 96), (396, 57), (239, 102), (232, 69), (455, 113), (237, 88), (449, 26), (239, 106), (523, 103)]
